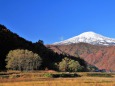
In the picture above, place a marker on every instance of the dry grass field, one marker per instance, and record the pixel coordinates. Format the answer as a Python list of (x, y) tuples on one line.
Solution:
[(34, 80)]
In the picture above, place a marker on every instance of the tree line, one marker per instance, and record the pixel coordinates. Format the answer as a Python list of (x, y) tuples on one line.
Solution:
[(25, 60)]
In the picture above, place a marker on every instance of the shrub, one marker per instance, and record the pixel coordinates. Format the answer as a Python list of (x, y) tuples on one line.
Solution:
[(64, 75), (99, 75), (48, 75)]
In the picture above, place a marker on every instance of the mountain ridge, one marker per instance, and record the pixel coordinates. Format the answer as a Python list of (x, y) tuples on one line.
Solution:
[(103, 57), (88, 37), (94, 48)]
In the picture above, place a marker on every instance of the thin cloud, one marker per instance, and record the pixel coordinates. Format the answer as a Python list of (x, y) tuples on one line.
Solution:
[(61, 38)]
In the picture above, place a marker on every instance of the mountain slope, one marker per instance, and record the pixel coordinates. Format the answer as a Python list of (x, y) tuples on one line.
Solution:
[(88, 37), (102, 57), (10, 41)]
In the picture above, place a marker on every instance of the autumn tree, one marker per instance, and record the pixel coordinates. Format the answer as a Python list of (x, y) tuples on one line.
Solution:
[(23, 60), (70, 65), (63, 65), (74, 66)]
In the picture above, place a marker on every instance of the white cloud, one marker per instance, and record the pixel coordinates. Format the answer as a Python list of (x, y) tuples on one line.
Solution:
[(61, 38)]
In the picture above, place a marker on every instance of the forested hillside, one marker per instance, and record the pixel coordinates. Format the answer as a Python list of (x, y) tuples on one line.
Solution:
[(11, 41)]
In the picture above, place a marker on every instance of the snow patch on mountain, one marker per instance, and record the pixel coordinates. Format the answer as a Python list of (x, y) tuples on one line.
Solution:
[(88, 37)]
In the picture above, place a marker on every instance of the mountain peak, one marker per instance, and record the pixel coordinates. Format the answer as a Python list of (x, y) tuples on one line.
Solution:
[(88, 37), (89, 34)]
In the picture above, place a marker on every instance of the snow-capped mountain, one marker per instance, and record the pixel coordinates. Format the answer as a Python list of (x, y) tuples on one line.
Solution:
[(88, 37)]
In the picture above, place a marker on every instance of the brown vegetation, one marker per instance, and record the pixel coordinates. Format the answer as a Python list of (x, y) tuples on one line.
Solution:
[(35, 79)]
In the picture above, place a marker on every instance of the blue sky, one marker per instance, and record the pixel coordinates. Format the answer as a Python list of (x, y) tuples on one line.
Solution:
[(56, 20)]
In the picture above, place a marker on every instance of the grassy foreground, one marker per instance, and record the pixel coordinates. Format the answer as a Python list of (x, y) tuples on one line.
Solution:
[(41, 81)]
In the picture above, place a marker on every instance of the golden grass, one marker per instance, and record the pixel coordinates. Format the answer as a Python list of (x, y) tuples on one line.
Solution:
[(81, 81), (36, 79)]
